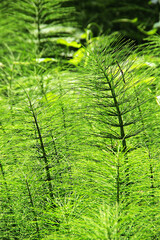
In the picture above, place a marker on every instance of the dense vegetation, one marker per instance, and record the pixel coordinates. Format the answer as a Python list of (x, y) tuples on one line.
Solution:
[(79, 124)]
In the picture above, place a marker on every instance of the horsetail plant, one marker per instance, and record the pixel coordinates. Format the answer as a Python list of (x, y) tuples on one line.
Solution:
[(111, 101), (33, 208), (44, 154)]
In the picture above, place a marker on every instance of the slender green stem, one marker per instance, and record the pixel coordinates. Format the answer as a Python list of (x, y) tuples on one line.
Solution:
[(120, 119), (44, 154), (38, 22), (118, 181), (121, 126), (63, 117), (33, 208)]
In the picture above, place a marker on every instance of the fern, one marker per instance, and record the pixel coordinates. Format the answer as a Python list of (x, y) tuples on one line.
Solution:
[(79, 148), (36, 26), (117, 97), (39, 142), (33, 209)]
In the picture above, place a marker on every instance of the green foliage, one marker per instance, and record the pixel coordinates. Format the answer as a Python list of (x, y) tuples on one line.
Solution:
[(34, 26), (79, 146), (134, 19)]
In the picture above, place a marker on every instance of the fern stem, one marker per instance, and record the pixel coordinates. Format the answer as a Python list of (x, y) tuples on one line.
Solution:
[(122, 133), (63, 116), (120, 119), (33, 208), (55, 148), (43, 153), (38, 22), (118, 182)]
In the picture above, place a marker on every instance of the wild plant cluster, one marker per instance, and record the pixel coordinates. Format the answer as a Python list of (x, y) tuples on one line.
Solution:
[(79, 143)]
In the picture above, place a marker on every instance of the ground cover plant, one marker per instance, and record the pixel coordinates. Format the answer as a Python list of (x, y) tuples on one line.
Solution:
[(79, 131)]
